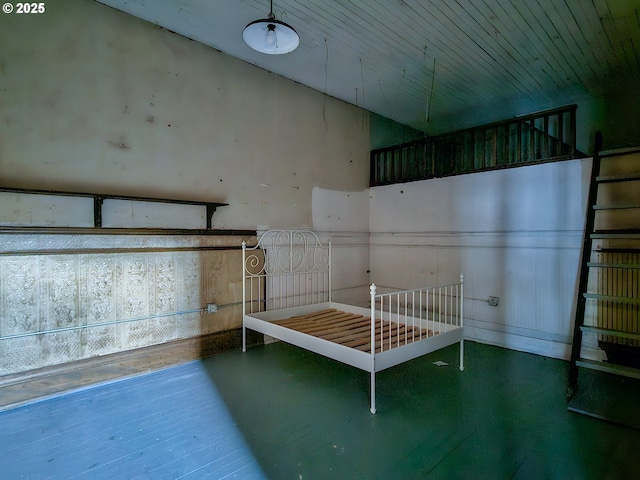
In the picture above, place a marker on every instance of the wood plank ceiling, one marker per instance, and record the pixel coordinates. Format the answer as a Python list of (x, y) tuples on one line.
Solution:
[(431, 64)]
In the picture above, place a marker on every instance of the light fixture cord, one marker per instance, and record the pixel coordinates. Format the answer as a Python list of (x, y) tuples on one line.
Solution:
[(433, 79), (404, 70), (362, 84), (275, 105), (271, 15), (326, 74), (386, 101)]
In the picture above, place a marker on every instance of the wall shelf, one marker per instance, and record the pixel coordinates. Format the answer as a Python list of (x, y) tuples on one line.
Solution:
[(98, 205)]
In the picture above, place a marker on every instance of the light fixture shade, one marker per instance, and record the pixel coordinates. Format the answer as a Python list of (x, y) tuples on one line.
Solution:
[(270, 36)]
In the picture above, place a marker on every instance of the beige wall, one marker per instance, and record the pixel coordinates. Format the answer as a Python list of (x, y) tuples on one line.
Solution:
[(93, 100)]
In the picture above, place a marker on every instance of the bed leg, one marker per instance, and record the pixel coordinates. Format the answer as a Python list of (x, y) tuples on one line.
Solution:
[(373, 393), (244, 339), (461, 355)]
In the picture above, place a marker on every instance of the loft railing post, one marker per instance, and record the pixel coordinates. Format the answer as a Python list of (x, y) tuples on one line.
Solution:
[(373, 179), (547, 137), (560, 144), (519, 154), (572, 130)]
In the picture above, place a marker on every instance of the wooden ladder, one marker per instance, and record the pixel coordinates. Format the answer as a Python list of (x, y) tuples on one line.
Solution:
[(606, 334)]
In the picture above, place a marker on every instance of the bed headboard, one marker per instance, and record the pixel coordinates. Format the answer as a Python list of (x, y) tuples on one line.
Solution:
[(286, 268)]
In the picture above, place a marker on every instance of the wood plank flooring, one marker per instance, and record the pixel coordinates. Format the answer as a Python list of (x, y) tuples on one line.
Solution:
[(25, 387), (354, 330), (168, 424), (301, 415), (505, 417)]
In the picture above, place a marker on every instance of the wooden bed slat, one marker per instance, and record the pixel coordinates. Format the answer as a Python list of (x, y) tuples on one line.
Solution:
[(339, 326), (354, 330), (337, 322), (309, 316)]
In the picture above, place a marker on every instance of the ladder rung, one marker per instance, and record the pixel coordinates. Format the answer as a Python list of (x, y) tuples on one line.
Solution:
[(618, 178), (609, 332), (613, 265), (618, 151), (630, 234), (617, 250), (609, 368), (612, 298), (615, 207)]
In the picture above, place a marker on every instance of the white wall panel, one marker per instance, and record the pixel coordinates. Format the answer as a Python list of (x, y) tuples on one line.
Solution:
[(343, 217), (516, 234)]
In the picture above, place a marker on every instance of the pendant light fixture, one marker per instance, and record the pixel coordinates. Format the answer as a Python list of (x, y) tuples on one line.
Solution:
[(271, 36)]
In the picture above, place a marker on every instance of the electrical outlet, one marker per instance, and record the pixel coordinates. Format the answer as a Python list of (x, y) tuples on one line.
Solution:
[(212, 307), (494, 301)]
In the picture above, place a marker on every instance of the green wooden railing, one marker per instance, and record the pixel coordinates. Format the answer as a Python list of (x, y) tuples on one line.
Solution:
[(540, 137)]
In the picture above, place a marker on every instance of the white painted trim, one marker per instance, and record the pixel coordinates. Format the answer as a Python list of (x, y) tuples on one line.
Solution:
[(547, 348)]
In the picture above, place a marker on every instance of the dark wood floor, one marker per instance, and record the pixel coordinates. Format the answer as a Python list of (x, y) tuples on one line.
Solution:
[(282, 412), (25, 387)]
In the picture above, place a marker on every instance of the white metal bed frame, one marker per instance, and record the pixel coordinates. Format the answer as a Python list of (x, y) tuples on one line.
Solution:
[(288, 274)]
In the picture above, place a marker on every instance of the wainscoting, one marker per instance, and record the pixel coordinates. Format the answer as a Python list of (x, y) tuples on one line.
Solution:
[(66, 297)]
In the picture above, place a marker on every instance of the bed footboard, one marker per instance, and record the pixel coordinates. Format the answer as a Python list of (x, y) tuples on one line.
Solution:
[(410, 323)]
